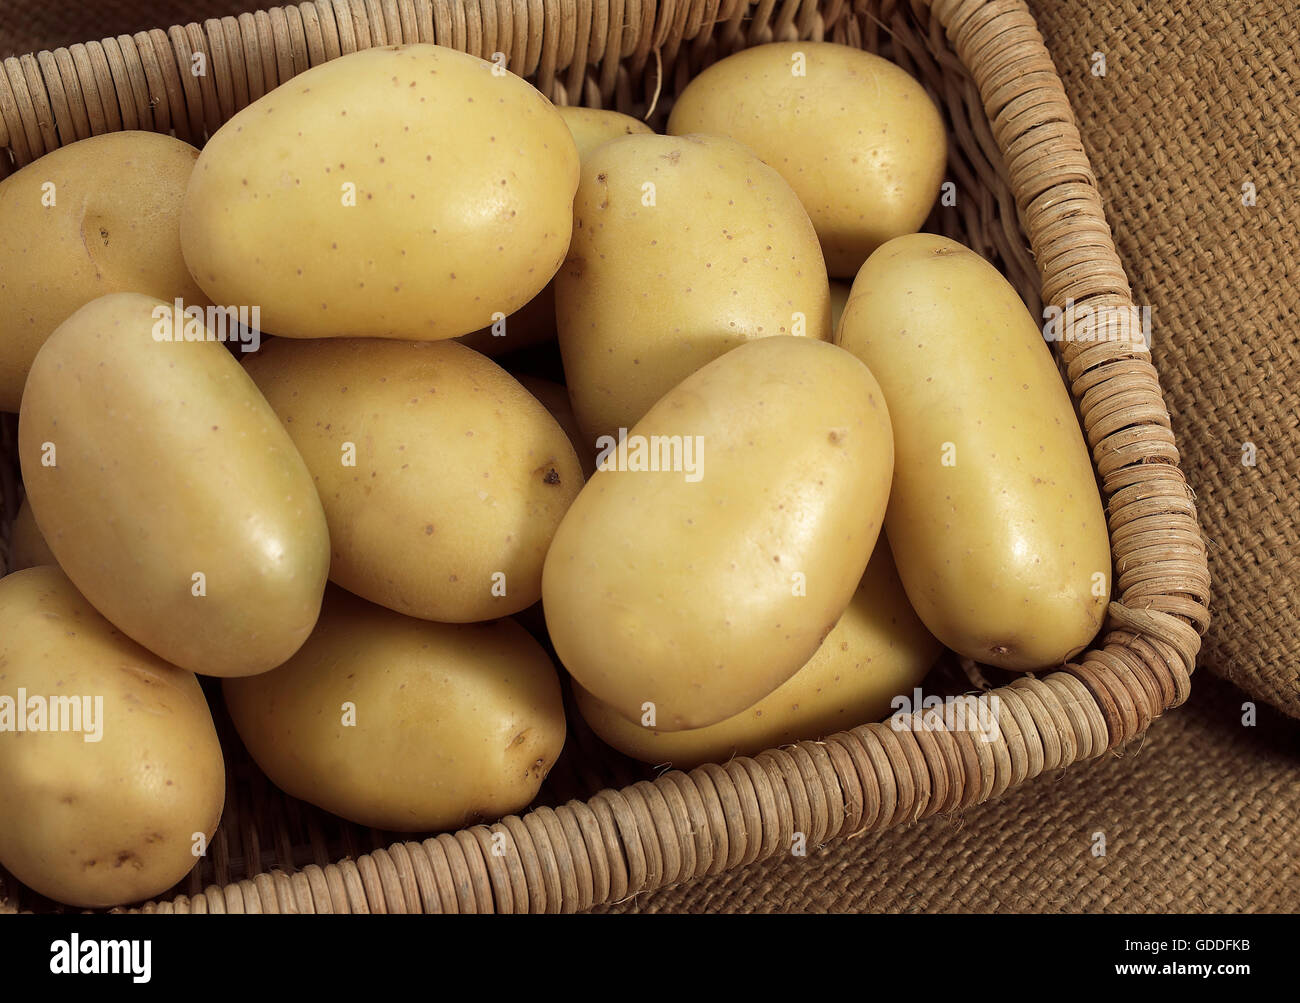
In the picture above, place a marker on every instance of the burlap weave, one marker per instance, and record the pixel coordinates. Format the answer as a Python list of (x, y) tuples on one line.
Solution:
[(1196, 102)]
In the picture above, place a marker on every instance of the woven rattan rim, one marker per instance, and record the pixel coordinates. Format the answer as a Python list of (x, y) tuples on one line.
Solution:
[(1022, 170)]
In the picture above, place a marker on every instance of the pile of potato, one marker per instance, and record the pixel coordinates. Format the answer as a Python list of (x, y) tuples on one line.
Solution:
[(343, 523)]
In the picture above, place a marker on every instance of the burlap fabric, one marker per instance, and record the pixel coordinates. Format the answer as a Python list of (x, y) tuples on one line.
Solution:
[(1195, 117)]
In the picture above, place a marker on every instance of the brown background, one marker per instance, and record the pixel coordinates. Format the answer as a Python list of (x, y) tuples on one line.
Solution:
[(1204, 814)]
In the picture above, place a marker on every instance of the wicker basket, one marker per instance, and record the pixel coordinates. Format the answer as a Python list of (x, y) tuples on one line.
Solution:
[(605, 828)]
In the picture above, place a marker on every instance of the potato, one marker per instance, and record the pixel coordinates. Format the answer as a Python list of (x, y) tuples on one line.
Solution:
[(169, 492), (103, 797), (555, 398), (701, 582), (660, 281), (443, 480), (858, 139), (27, 548), (534, 323), (593, 127), (399, 192), (98, 216), (404, 724), (995, 520), (877, 650)]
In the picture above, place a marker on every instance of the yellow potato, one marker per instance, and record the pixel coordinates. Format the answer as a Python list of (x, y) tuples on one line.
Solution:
[(592, 127), (404, 724), (700, 586), (98, 216), (443, 480), (120, 789), (169, 492), (555, 398), (995, 520), (399, 192), (877, 650), (27, 548), (661, 280), (534, 323), (857, 137)]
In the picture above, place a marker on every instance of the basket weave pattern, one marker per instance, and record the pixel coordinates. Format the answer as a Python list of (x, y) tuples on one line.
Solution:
[(1020, 170)]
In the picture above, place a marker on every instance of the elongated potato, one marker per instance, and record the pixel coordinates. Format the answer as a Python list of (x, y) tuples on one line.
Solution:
[(405, 724), (443, 480), (398, 192), (856, 136), (697, 575), (111, 776), (995, 520), (94, 217), (683, 248), (27, 548), (169, 491), (877, 650)]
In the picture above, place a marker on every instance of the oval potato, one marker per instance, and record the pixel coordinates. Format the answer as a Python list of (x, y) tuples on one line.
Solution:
[(405, 724), (593, 127), (97, 216), (995, 519), (422, 191), (650, 293), (169, 491), (701, 589), (443, 480), (100, 808), (877, 650), (856, 137)]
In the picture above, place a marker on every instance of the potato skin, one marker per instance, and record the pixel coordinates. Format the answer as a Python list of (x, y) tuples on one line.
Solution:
[(856, 137), (459, 472), (877, 650), (534, 322), (593, 127), (555, 398), (114, 227), (454, 723), (997, 551), (168, 463), (27, 548), (464, 185), (648, 295), (684, 593), (106, 822)]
